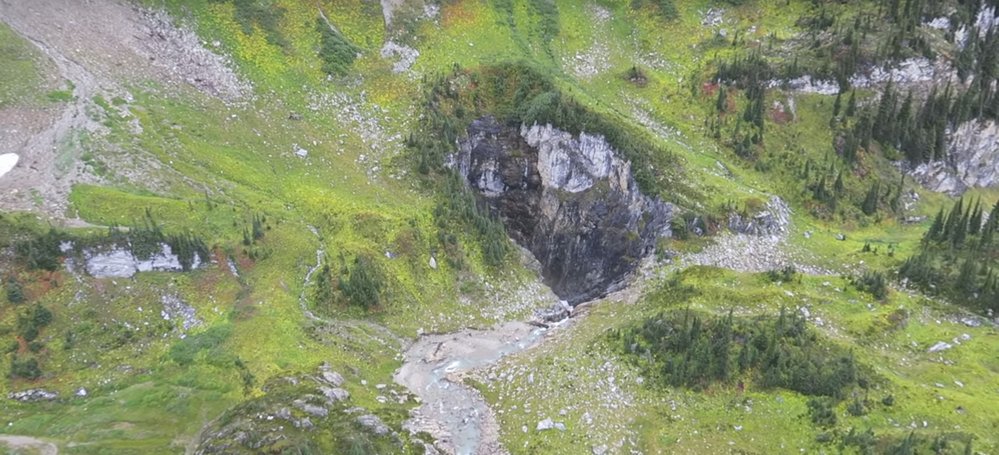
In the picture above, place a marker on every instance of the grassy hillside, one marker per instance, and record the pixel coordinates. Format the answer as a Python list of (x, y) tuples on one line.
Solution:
[(291, 188)]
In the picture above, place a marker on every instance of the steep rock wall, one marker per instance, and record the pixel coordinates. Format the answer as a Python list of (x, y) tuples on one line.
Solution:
[(972, 160), (568, 199)]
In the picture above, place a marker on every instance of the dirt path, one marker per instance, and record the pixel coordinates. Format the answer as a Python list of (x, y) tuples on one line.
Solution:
[(18, 443)]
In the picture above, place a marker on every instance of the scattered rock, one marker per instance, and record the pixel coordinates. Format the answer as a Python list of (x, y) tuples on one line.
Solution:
[(405, 56), (713, 17), (333, 378), (178, 50), (940, 346), (334, 394), (773, 220), (373, 424), (311, 409), (33, 395), (81, 392), (175, 309), (545, 425), (433, 263), (971, 322), (555, 313)]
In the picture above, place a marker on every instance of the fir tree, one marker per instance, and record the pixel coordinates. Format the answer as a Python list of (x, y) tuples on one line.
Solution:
[(870, 205), (936, 229), (851, 105)]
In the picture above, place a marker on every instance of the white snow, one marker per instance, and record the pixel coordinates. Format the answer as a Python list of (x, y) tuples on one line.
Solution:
[(7, 162)]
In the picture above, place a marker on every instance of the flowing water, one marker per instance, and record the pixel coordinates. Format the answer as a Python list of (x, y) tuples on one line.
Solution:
[(452, 412)]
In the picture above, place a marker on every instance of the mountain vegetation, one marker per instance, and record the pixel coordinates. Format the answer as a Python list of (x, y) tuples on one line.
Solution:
[(242, 226)]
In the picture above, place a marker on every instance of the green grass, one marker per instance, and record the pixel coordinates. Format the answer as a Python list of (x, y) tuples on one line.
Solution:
[(222, 165), (22, 75), (572, 372)]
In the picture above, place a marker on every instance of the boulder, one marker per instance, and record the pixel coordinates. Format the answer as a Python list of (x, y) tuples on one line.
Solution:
[(373, 424), (939, 346), (334, 394), (333, 378), (33, 395)]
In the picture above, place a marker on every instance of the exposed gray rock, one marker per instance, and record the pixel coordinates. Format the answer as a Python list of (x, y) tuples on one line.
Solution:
[(304, 423), (569, 200), (557, 312), (405, 56), (334, 394), (773, 220), (175, 309), (713, 17), (545, 425), (373, 424), (311, 409), (571, 164), (940, 346), (972, 154), (178, 50), (972, 151), (971, 321), (333, 378), (33, 395), (121, 263)]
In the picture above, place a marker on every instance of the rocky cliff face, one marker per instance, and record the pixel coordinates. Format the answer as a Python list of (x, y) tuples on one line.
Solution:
[(568, 199), (972, 160)]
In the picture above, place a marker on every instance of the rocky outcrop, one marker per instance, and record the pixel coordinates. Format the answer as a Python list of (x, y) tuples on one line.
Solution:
[(33, 395), (568, 199), (973, 154), (293, 413), (774, 220), (123, 263)]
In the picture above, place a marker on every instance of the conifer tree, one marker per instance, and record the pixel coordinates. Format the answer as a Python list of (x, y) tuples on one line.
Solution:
[(870, 205), (936, 229), (975, 221)]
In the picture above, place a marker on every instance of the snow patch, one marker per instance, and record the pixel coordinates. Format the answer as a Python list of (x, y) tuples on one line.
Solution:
[(7, 162)]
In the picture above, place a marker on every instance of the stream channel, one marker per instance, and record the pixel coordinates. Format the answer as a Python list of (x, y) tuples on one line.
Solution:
[(455, 414)]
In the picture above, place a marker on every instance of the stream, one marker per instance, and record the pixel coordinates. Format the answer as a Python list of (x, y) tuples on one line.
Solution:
[(455, 414)]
